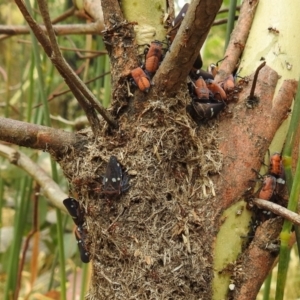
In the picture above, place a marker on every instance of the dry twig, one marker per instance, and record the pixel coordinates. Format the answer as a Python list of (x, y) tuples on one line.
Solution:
[(37, 136), (277, 210), (90, 28), (50, 189), (27, 240), (84, 96)]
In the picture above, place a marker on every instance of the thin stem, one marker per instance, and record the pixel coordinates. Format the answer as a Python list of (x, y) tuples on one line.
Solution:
[(278, 210), (222, 21), (60, 30), (28, 238), (231, 20), (255, 79), (285, 236)]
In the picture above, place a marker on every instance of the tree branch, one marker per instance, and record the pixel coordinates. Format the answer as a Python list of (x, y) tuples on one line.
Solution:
[(278, 210), (238, 40), (258, 260), (79, 89), (118, 38), (111, 8), (186, 46), (92, 8), (69, 12), (67, 72), (51, 34), (50, 189), (247, 134), (37, 136), (66, 29)]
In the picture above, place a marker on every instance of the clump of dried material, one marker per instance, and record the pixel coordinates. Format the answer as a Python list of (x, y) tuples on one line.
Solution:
[(152, 241)]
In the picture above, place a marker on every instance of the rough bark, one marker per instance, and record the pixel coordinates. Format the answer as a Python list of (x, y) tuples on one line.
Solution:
[(157, 240), (38, 137)]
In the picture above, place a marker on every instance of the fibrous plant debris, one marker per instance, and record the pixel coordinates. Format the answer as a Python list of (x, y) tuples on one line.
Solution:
[(154, 237)]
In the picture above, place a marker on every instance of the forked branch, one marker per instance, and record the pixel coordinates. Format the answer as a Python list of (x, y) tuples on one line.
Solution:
[(83, 95)]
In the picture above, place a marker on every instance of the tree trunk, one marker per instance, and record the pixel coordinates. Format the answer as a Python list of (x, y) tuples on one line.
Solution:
[(168, 236), (159, 239)]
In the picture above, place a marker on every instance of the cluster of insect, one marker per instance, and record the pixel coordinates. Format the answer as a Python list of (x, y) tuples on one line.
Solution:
[(208, 97), (115, 182), (272, 189), (153, 57)]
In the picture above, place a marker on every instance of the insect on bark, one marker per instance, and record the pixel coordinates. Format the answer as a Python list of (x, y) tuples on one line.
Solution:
[(80, 235), (141, 79), (276, 167), (268, 187), (201, 89), (176, 23), (77, 215), (153, 56), (115, 181), (201, 111), (74, 210)]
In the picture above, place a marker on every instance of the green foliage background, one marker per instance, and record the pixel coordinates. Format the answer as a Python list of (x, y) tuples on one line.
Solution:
[(22, 90)]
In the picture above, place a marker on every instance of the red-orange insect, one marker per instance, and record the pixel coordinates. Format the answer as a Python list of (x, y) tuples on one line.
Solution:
[(201, 89), (228, 84), (214, 68), (268, 187), (141, 79), (276, 167), (215, 88), (153, 56)]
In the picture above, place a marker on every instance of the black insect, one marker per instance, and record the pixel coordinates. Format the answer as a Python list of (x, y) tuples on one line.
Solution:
[(115, 181), (196, 69), (196, 73), (176, 23), (203, 111), (180, 15), (273, 30), (74, 210), (80, 235), (77, 215), (198, 62)]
